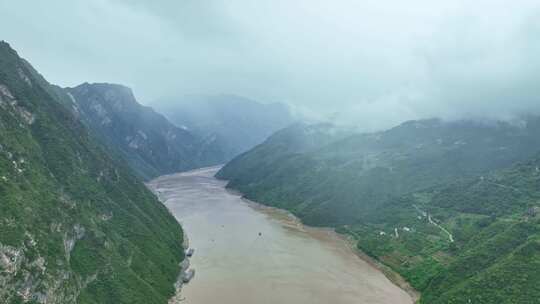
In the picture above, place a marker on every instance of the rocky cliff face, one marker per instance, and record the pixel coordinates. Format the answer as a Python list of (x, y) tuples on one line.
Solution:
[(150, 143), (76, 225)]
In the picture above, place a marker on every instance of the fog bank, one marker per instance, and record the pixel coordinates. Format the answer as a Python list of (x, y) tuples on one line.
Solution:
[(369, 63)]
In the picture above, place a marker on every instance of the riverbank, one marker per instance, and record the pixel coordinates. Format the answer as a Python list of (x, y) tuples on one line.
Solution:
[(184, 265), (392, 275), (348, 241)]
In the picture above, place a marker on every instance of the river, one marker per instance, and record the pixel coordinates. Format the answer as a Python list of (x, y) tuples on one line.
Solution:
[(246, 253)]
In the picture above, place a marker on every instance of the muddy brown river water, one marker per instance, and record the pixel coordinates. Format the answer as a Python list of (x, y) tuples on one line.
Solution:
[(246, 253)]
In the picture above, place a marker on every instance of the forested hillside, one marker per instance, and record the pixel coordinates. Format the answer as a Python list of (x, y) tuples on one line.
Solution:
[(337, 183), (76, 225), (440, 203)]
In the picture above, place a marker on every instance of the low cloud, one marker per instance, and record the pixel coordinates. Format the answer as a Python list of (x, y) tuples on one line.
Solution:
[(369, 63)]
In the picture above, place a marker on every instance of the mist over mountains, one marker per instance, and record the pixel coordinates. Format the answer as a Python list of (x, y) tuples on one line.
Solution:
[(409, 129), (235, 123), (449, 205), (373, 64)]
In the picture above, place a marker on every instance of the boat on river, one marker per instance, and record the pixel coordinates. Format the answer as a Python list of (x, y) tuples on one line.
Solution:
[(188, 275)]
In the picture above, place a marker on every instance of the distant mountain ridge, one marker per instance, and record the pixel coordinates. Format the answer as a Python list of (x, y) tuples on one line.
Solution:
[(236, 123), (151, 144), (335, 183)]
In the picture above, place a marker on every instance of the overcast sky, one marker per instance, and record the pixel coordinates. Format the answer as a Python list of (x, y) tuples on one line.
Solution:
[(371, 63)]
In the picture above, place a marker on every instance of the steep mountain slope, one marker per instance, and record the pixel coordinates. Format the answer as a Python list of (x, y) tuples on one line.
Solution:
[(295, 139), (151, 144), (337, 183), (236, 123), (477, 239), (76, 225), (420, 199)]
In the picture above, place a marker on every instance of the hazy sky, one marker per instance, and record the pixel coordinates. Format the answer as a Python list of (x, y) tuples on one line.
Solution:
[(372, 63)]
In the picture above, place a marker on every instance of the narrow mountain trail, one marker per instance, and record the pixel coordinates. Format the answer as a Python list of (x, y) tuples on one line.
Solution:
[(433, 222)]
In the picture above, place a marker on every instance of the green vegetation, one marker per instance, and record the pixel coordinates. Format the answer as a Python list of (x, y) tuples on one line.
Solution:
[(431, 200), (75, 224)]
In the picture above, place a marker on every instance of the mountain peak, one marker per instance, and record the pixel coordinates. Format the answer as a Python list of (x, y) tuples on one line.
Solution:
[(112, 97), (151, 144)]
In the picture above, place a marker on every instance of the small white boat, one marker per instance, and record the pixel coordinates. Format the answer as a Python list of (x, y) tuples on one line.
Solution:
[(188, 275)]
